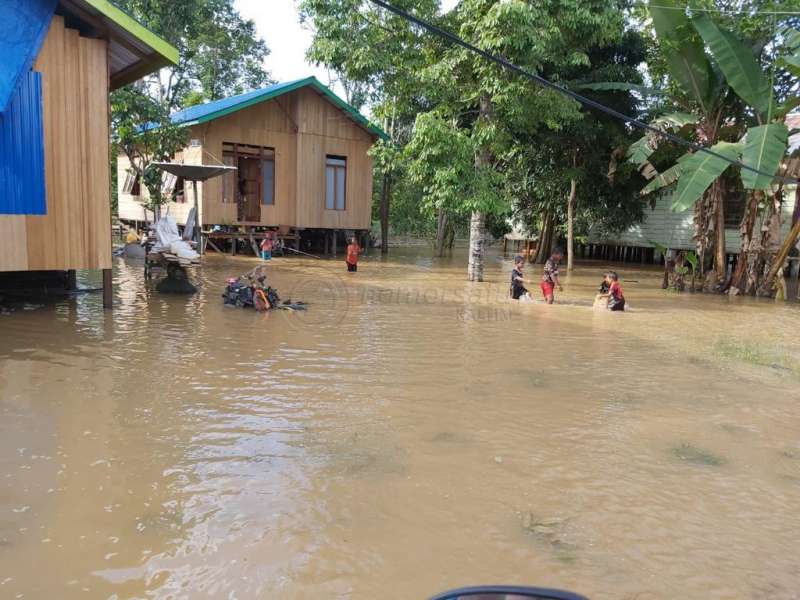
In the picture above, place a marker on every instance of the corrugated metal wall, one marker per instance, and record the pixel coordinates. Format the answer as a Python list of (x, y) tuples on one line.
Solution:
[(22, 179)]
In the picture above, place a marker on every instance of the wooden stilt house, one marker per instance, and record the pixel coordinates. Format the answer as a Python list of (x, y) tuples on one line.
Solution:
[(302, 163), (61, 58)]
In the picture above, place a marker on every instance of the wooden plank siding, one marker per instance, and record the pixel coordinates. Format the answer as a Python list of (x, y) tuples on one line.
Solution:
[(303, 128), (76, 231), (676, 230)]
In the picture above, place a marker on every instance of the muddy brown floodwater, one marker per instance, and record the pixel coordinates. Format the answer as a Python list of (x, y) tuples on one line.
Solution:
[(409, 433)]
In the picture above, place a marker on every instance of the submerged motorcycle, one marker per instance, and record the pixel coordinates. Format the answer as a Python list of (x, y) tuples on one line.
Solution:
[(507, 592)]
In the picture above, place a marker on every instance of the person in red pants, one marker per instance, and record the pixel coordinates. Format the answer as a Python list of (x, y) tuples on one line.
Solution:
[(550, 276)]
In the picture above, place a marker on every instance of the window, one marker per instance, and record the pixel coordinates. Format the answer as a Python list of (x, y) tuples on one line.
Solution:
[(229, 181), (335, 182), (168, 181), (268, 182), (131, 185)]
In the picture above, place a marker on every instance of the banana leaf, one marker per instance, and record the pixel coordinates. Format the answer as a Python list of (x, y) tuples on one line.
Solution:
[(737, 63), (699, 170), (683, 49), (764, 149), (639, 151), (664, 179), (675, 120)]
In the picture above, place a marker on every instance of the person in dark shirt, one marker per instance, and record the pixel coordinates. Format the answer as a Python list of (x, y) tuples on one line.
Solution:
[(614, 297), (550, 276), (518, 281)]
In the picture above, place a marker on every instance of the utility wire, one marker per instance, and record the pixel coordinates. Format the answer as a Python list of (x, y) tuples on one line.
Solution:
[(567, 92)]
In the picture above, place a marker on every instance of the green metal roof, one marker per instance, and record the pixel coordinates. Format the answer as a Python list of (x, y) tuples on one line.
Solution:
[(132, 26), (202, 113)]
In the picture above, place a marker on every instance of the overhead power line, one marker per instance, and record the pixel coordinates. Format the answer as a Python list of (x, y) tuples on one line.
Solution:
[(443, 33)]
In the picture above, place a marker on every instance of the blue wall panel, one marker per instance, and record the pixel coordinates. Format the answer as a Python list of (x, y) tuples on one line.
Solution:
[(22, 180), (23, 27)]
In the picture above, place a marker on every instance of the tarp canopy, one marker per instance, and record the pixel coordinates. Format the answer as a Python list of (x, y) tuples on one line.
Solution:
[(193, 172), (23, 27)]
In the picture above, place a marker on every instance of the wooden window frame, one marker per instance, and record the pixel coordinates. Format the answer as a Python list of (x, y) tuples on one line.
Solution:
[(236, 151), (337, 170)]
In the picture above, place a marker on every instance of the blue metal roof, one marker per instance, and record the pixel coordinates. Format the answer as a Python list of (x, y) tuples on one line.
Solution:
[(219, 108), (22, 179), (23, 26)]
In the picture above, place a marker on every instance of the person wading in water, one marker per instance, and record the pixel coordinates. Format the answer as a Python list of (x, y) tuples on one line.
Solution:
[(353, 250), (550, 277), (518, 289)]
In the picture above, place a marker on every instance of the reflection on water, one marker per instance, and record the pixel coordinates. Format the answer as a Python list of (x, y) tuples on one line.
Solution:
[(410, 433)]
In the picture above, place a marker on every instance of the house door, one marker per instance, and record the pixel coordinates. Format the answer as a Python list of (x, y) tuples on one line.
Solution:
[(249, 190)]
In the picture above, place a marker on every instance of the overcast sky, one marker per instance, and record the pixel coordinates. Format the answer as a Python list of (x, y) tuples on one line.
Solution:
[(277, 23)]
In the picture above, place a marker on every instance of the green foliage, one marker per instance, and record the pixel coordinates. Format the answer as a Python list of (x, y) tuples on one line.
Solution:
[(737, 63), (699, 171), (683, 49), (141, 128), (220, 53), (764, 149)]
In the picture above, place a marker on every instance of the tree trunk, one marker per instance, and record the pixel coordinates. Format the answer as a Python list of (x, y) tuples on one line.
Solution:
[(737, 284), (770, 234), (477, 225), (720, 255), (545, 238), (477, 245), (441, 232), (573, 187), (384, 213), (783, 253)]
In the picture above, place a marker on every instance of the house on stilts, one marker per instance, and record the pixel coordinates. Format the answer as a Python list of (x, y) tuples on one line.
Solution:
[(61, 58), (303, 168)]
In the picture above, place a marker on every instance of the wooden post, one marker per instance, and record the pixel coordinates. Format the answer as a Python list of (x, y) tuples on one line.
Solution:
[(199, 236), (72, 280), (333, 244), (108, 289)]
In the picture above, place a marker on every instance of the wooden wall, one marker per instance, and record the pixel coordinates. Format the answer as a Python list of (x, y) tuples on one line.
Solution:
[(302, 127), (130, 207), (326, 129), (269, 124), (76, 231)]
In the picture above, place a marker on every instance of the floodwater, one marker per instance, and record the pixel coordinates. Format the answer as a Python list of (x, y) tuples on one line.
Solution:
[(409, 433)]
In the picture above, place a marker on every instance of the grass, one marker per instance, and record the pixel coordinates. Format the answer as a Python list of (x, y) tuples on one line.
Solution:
[(756, 355), (697, 456)]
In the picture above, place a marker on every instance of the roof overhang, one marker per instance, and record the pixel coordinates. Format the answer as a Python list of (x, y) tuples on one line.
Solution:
[(134, 51), (193, 172), (277, 91)]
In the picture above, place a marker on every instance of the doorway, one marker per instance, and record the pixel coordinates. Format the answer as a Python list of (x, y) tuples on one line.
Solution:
[(255, 179)]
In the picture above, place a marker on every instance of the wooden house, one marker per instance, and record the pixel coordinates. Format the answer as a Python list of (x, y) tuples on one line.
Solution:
[(60, 60), (302, 161)]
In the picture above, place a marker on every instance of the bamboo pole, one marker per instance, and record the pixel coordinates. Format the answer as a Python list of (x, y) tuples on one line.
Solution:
[(782, 255)]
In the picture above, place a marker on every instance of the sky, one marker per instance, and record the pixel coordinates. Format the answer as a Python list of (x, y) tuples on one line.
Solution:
[(278, 24)]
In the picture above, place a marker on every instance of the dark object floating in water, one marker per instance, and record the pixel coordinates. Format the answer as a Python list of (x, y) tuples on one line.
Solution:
[(252, 292), (176, 281)]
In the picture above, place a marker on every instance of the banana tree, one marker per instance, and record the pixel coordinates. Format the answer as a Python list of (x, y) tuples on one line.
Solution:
[(730, 109)]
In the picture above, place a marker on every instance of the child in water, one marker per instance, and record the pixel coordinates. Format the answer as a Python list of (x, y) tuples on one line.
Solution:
[(518, 290), (266, 247), (615, 299)]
